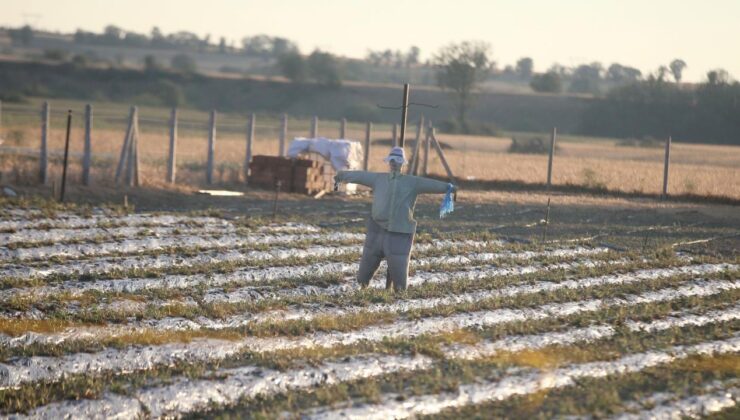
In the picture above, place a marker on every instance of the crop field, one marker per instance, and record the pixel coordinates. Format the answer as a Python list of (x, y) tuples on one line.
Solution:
[(208, 314), (595, 163)]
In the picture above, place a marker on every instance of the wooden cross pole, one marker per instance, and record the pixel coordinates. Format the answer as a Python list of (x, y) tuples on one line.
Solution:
[(404, 114)]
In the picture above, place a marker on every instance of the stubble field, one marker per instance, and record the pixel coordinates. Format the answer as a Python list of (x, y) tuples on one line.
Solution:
[(228, 316)]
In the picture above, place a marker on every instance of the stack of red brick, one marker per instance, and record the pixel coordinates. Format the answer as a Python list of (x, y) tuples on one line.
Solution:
[(303, 176)]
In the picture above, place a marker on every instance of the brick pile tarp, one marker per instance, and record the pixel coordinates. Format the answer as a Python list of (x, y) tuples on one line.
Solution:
[(303, 176)]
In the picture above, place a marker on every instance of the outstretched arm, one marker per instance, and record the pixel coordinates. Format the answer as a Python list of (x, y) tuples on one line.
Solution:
[(427, 186), (356, 177)]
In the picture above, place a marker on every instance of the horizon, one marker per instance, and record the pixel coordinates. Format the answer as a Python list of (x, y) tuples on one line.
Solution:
[(568, 27)]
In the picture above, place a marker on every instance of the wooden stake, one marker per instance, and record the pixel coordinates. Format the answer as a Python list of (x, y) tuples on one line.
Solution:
[(442, 156), (368, 134), (125, 146), (666, 167), (404, 114), (427, 144), (135, 150), (211, 147), (283, 134), (553, 136), (87, 156), (414, 164), (343, 129), (250, 138), (315, 127), (172, 160), (66, 156), (44, 150), (395, 135)]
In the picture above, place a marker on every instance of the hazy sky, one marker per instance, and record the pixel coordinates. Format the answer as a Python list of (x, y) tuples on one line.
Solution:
[(641, 33)]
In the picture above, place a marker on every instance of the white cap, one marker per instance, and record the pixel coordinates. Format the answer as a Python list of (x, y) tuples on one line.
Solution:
[(397, 154)]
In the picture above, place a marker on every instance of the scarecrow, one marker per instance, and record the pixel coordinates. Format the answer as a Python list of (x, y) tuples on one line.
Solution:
[(391, 228)]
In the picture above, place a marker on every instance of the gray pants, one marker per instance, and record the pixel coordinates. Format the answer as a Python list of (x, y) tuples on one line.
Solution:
[(394, 247)]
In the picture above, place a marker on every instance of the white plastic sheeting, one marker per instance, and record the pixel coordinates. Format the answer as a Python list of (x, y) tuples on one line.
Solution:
[(343, 154)]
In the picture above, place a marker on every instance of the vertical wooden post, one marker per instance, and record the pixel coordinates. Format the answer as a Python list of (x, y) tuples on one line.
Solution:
[(414, 163), (315, 127), (343, 129), (395, 135), (87, 156), (427, 141), (172, 159), (44, 152), (368, 134), (553, 137), (404, 114), (1, 119), (66, 155), (250, 138), (211, 147), (666, 167), (126, 141), (283, 134), (132, 167)]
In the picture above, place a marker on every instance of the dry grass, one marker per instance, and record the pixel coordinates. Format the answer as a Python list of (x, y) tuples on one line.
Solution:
[(598, 163)]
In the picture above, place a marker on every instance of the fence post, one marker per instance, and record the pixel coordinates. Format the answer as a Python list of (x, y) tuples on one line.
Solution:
[(666, 166), (211, 147), (283, 134), (66, 155), (553, 136), (343, 129), (413, 168), (125, 147), (172, 160), (132, 167), (427, 141), (1, 119), (87, 156), (44, 152), (395, 135), (250, 137), (315, 127), (368, 134)]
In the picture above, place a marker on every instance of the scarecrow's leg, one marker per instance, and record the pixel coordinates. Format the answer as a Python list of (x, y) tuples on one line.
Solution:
[(372, 253), (398, 256)]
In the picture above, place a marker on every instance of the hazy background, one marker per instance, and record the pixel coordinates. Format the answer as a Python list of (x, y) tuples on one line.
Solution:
[(642, 34)]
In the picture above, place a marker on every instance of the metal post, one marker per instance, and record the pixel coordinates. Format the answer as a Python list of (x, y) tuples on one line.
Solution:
[(283, 134), (404, 114), (395, 135), (553, 136), (87, 157), (250, 138), (126, 141), (211, 147), (666, 167), (172, 161), (315, 127), (66, 155), (44, 152), (343, 129), (368, 134), (427, 144)]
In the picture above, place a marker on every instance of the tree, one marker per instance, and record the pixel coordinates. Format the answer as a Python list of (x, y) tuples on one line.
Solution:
[(549, 82), (222, 45), (183, 63), (293, 66), (586, 78), (459, 69), (677, 67), (412, 57), (618, 73), (323, 68), (524, 68), (23, 36), (150, 63), (718, 77)]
